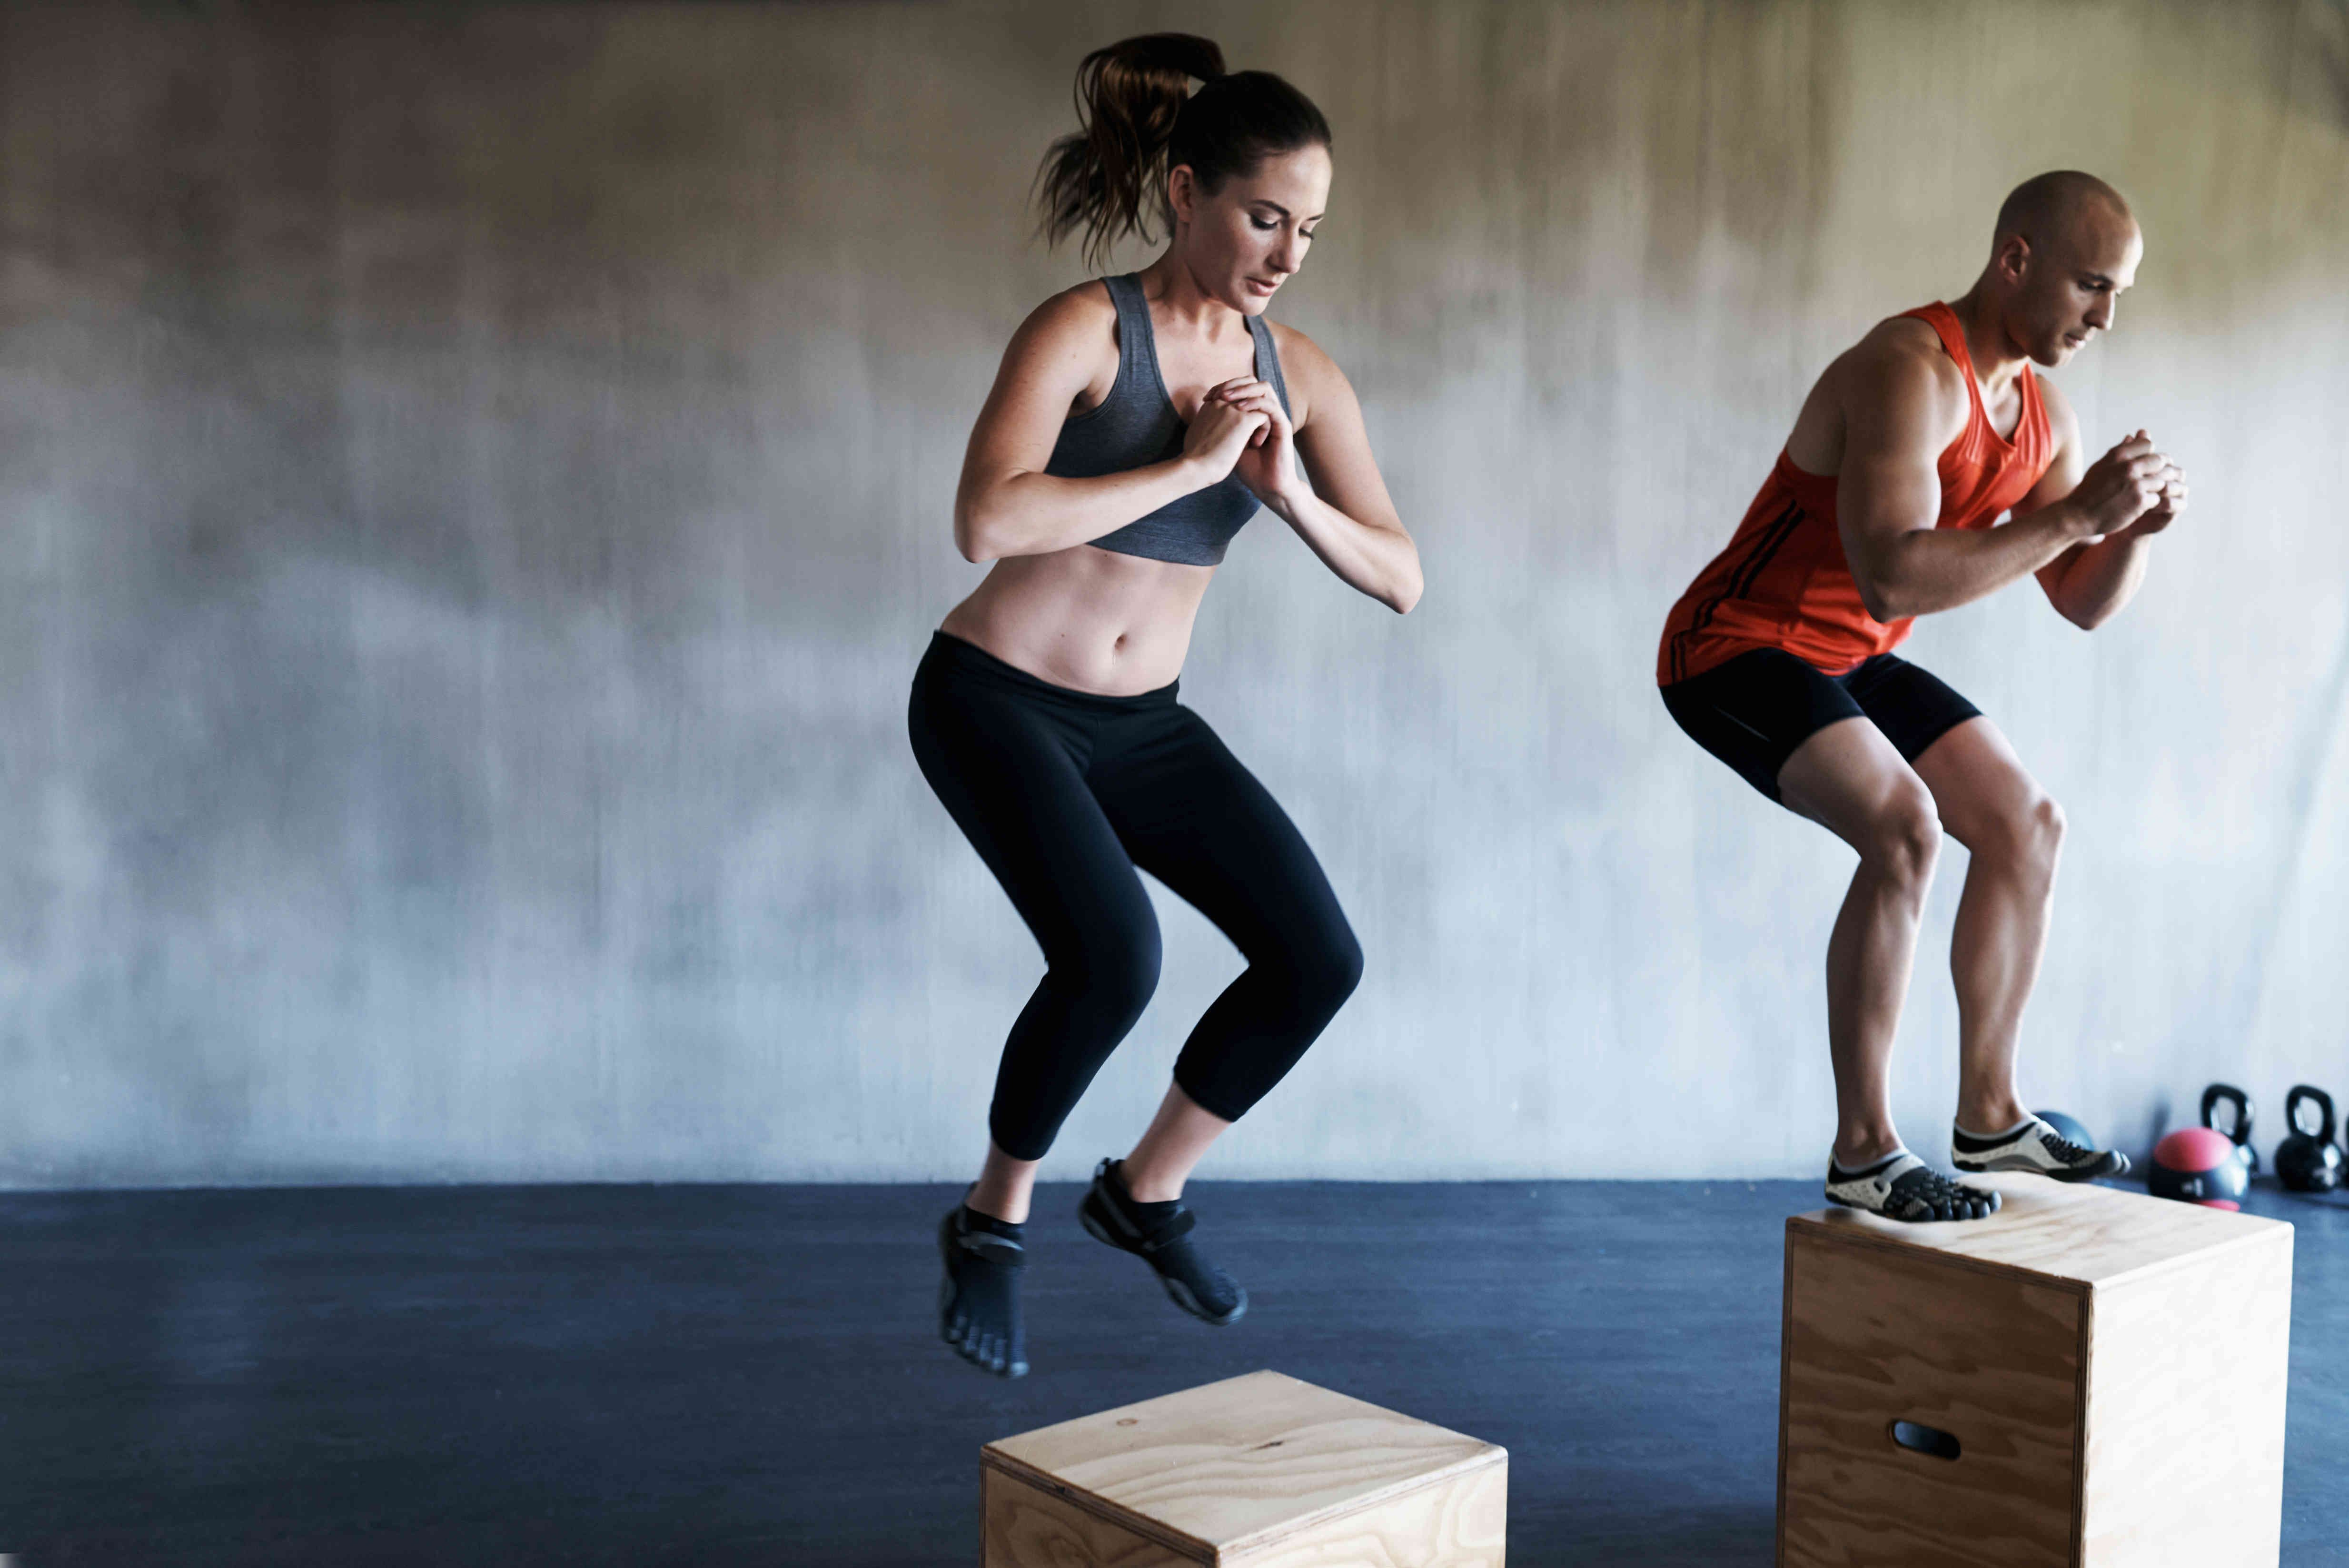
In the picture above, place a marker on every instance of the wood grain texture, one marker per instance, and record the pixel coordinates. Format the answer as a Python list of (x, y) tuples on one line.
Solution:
[(2113, 1365), (1242, 1464), (1024, 1525), (2186, 1414), (1876, 1335), (2084, 1236), (1459, 1523)]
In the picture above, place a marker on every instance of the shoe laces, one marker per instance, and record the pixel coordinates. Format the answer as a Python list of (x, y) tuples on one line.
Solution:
[(2063, 1148)]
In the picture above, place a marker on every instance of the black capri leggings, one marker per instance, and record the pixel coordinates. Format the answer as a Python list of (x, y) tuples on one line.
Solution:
[(1063, 794)]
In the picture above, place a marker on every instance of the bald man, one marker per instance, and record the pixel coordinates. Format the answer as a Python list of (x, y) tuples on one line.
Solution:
[(1886, 505)]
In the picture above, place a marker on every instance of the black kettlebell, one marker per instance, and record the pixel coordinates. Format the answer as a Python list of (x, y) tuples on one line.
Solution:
[(2239, 1134), (2307, 1162)]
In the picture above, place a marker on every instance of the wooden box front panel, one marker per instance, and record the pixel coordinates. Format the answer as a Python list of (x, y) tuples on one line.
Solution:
[(1462, 1522), (1877, 1333), (1024, 1526), (2186, 1411)]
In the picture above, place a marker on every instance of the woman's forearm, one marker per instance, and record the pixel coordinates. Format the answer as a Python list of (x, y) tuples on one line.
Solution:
[(1032, 514), (1380, 562)]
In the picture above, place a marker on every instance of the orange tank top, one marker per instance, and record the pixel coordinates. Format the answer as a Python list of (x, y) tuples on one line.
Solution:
[(1784, 581)]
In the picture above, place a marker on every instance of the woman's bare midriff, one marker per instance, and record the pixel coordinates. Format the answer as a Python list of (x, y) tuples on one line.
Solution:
[(1088, 620)]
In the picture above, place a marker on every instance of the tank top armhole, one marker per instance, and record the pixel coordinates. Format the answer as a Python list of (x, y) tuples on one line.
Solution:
[(1977, 432), (1122, 334)]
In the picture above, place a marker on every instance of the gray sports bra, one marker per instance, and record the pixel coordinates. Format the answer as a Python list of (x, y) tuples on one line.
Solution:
[(1136, 425)]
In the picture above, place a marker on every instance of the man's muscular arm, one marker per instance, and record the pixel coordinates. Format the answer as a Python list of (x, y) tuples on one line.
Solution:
[(2089, 583), (1901, 407)]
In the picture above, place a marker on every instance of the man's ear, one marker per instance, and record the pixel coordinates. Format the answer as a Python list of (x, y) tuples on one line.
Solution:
[(2013, 257)]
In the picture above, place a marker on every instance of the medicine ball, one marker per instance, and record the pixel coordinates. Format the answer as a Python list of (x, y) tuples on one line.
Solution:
[(2196, 1165)]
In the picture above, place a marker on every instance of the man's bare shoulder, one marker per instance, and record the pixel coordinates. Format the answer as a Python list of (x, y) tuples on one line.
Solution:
[(1900, 363), (1902, 352)]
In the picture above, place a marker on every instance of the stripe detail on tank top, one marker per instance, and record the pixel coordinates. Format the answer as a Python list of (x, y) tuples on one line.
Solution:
[(1740, 581)]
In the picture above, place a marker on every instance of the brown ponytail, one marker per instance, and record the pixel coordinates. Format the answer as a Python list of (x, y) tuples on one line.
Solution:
[(1137, 119)]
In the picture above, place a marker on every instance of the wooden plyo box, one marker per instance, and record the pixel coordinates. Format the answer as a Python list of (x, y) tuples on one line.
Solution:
[(2110, 1365), (1263, 1471)]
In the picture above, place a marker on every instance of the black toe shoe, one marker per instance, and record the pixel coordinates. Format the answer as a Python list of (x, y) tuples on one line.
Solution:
[(1160, 1235), (978, 1303)]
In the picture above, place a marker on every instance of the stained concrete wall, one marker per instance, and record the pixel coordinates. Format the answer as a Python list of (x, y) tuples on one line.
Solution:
[(478, 484)]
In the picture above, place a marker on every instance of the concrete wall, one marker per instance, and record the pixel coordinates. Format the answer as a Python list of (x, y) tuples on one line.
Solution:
[(478, 482)]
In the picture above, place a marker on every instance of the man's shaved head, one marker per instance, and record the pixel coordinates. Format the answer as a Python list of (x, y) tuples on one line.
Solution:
[(2067, 248), (2044, 208)]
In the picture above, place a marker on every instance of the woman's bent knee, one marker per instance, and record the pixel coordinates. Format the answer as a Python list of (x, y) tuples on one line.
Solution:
[(1328, 970), (1113, 976)]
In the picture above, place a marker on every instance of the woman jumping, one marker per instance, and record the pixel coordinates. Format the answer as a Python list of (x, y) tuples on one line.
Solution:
[(1136, 423)]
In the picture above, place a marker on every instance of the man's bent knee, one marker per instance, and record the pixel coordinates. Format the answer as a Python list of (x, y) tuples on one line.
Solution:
[(1905, 837), (2047, 818), (2025, 834), (2035, 836)]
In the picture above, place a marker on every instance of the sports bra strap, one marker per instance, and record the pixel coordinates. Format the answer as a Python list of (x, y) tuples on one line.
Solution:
[(1137, 345)]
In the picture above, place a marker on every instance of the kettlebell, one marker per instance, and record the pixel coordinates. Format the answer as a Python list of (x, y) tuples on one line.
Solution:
[(2308, 1162), (2239, 1134)]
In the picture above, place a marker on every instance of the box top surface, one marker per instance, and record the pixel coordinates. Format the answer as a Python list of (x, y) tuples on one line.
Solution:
[(2084, 1236), (1241, 1463)]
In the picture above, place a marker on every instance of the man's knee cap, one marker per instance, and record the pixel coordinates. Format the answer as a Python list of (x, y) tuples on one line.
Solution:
[(2048, 817), (2030, 834), (1909, 831)]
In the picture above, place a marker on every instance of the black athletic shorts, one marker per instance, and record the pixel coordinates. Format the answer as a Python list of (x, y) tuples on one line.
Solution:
[(1754, 710)]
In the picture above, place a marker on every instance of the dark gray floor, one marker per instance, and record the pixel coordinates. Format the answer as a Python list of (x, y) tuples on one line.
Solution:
[(748, 1375)]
